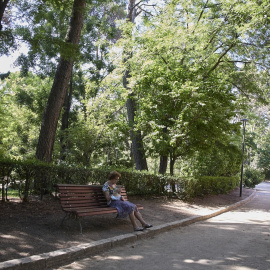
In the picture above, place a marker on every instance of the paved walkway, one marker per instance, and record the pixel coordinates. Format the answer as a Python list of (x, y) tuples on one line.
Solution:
[(235, 240)]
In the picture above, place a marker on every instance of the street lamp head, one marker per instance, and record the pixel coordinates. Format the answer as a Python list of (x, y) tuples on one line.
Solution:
[(244, 120)]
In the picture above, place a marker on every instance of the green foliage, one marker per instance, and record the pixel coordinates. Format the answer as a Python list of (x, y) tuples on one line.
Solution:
[(21, 107), (7, 42), (222, 160), (35, 177), (253, 177), (194, 69), (216, 185), (185, 75), (264, 154)]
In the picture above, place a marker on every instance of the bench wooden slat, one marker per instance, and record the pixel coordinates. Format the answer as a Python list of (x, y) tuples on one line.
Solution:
[(76, 206), (83, 198)]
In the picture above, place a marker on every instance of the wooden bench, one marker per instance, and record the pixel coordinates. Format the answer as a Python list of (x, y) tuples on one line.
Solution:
[(78, 201)]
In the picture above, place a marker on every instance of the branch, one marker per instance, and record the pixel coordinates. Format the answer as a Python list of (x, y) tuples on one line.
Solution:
[(240, 89), (137, 4), (154, 5), (144, 11), (238, 61), (201, 14), (226, 18), (165, 62), (253, 45), (131, 9), (205, 6), (219, 60)]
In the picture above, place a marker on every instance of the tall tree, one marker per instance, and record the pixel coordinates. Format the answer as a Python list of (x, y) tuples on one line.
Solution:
[(191, 67), (60, 84), (135, 134), (99, 33), (48, 23)]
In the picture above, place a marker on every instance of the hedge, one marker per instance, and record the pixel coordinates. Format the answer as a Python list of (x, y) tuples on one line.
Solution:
[(33, 176)]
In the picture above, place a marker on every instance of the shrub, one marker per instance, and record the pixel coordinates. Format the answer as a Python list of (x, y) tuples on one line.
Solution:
[(253, 177), (39, 178)]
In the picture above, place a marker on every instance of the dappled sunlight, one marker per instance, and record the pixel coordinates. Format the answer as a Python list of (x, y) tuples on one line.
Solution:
[(10, 249), (119, 258), (212, 263), (8, 236), (203, 261), (250, 217), (134, 257), (26, 245), (237, 262), (193, 209), (108, 260), (264, 192), (228, 262)]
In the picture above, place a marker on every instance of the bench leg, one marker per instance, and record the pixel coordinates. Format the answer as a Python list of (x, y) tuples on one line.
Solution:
[(66, 216), (80, 225), (72, 215)]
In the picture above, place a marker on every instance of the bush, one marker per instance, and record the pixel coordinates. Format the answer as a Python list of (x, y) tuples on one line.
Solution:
[(35, 177), (253, 177), (216, 185)]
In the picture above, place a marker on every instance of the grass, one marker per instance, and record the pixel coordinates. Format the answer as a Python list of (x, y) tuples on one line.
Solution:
[(13, 193)]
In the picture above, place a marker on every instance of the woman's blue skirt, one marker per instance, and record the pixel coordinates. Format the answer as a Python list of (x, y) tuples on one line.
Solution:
[(124, 208)]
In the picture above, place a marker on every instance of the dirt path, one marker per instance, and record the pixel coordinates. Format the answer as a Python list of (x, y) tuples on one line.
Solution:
[(30, 229)]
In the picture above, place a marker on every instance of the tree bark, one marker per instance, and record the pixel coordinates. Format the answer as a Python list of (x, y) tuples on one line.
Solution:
[(65, 121), (3, 5), (136, 136), (172, 162), (163, 163), (60, 86)]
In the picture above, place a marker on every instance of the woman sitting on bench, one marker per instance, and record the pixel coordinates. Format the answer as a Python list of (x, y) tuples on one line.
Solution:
[(124, 208)]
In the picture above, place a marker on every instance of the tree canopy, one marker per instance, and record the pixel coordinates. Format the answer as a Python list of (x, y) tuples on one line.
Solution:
[(192, 69)]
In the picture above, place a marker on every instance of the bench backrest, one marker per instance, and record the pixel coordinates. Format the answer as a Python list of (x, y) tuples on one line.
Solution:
[(74, 197)]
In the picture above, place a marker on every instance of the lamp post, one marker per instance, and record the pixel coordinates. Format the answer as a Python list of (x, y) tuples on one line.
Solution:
[(242, 168)]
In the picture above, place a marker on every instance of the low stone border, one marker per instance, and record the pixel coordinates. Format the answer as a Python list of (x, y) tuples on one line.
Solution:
[(65, 256)]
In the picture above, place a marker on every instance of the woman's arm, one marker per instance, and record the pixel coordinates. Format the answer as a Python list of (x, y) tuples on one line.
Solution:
[(107, 195)]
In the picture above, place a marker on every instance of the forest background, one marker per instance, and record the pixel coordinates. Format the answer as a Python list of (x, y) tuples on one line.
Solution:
[(158, 86)]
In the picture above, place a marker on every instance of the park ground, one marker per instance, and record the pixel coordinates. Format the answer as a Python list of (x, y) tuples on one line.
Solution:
[(33, 228)]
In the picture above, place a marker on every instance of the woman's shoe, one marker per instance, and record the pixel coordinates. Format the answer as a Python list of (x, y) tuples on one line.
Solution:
[(138, 229), (146, 226)]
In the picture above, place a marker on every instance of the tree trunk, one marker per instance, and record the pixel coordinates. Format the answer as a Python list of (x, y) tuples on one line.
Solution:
[(65, 118), (172, 162), (163, 163), (3, 189), (3, 5), (136, 136), (60, 86), (164, 156)]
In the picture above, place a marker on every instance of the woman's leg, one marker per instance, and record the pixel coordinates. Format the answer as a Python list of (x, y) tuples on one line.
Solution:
[(133, 220), (140, 218)]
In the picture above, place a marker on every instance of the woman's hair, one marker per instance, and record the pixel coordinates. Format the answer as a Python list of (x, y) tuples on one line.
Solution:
[(114, 174)]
